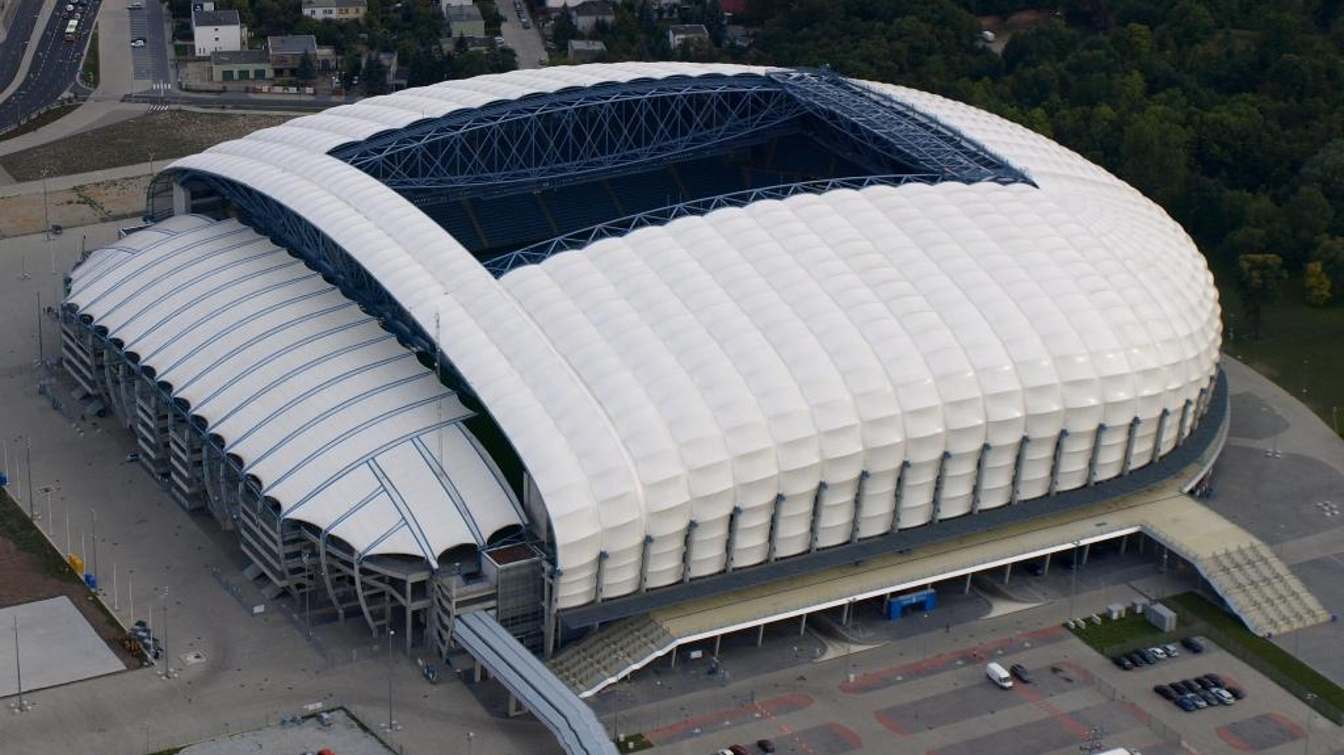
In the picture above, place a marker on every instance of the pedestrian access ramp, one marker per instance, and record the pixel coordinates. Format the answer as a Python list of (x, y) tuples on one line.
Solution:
[(1253, 582), (572, 722)]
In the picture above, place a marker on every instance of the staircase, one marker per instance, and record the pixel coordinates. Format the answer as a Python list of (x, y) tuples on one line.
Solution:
[(1261, 590), (610, 652)]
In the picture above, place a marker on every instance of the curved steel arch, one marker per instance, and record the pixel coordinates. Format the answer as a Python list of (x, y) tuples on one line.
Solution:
[(569, 135)]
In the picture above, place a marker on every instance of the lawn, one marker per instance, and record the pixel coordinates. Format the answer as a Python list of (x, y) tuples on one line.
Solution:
[(1297, 351), (1122, 635), (90, 72)]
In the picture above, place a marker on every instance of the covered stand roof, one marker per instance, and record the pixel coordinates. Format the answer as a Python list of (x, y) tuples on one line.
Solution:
[(815, 353), (340, 425)]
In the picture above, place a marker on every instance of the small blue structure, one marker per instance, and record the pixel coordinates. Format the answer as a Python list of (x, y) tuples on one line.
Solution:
[(897, 605), (90, 581)]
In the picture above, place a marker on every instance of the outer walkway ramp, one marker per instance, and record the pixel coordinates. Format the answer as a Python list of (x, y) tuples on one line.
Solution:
[(572, 722)]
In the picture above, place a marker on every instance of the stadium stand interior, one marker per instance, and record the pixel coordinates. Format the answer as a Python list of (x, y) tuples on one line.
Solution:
[(494, 225)]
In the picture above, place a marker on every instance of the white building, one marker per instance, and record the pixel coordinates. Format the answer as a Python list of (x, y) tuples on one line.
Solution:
[(216, 31)]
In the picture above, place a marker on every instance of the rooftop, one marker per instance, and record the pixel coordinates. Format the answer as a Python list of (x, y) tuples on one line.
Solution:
[(335, 3), (295, 44), (594, 8), (687, 30), (215, 18), (462, 13), (234, 57)]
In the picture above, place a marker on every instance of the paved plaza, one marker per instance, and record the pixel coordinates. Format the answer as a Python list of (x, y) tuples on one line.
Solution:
[(56, 645)]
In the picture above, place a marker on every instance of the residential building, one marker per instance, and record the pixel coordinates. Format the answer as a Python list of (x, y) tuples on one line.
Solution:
[(586, 50), (445, 4), (286, 53), (692, 35), (589, 13), (240, 65), (216, 31), (464, 21), (335, 10)]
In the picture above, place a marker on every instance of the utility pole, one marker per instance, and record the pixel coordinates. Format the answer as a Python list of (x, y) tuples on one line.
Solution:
[(390, 632), (41, 348), (167, 657), (94, 514), (18, 667), (28, 455), (46, 216), (1073, 580)]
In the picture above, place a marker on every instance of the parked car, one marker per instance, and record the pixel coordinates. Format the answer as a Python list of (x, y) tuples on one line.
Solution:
[(1148, 657), (1186, 704), (1197, 700), (137, 43), (996, 674), (1208, 697), (765, 745), (1236, 692), (1204, 682), (1223, 696), (1138, 660), (1167, 693), (1157, 651), (1171, 649), (1193, 645), (1020, 671), (1215, 679), (1122, 662), (738, 750), (1184, 686)]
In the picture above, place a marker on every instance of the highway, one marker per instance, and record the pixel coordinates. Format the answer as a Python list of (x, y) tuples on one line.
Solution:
[(16, 41), (54, 67)]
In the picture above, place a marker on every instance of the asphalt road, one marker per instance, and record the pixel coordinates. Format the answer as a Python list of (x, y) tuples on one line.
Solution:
[(16, 41), (54, 67), (526, 42)]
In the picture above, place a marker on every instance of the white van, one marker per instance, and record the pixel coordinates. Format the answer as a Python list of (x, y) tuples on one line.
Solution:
[(999, 676)]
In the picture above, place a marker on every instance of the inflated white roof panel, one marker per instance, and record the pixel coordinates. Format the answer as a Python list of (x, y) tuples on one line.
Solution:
[(717, 363), (341, 425)]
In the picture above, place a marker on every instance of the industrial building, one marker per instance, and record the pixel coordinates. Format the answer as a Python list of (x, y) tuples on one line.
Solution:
[(555, 349)]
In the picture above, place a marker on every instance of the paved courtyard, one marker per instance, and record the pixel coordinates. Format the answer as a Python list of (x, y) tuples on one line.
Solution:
[(56, 645)]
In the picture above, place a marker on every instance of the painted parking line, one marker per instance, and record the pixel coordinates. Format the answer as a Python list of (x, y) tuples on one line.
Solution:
[(1262, 732), (728, 718), (967, 702), (880, 679)]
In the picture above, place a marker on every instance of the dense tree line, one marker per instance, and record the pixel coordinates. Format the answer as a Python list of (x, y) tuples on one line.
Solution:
[(1227, 112)]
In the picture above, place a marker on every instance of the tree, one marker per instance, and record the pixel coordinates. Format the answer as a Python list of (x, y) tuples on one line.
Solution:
[(1317, 285), (563, 30), (1330, 254), (1258, 278), (375, 75), (306, 70)]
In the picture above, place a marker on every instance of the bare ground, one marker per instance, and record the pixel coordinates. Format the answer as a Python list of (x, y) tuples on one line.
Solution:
[(156, 136), (82, 205)]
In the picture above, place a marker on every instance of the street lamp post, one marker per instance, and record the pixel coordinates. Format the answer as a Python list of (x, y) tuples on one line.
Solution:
[(28, 460), (1311, 715), (1073, 579), (390, 632)]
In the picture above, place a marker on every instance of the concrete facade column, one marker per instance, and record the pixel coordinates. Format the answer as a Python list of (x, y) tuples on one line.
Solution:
[(718, 638), (1086, 550), (1015, 490), (760, 634), (938, 487), (1007, 573), (1054, 462), (967, 589), (900, 493), (1046, 569), (802, 626)]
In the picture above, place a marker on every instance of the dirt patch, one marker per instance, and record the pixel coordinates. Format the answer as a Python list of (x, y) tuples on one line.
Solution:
[(81, 205), (30, 569), (157, 136)]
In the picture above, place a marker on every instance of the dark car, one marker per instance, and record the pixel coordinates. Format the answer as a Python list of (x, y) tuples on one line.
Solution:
[(1122, 663), (1020, 671), (1167, 693), (765, 745), (1209, 697), (1137, 660), (1236, 692), (1204, 682), (1193, 645), (738, 750), (1148, 657), (1188, 687), (1186, 704), (1215, 679)]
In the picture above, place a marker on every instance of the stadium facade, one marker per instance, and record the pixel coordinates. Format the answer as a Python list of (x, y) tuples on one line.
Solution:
[(688, 322)]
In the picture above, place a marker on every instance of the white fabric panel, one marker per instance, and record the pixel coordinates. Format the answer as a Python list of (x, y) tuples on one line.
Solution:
[(721, 361), (321, 404)]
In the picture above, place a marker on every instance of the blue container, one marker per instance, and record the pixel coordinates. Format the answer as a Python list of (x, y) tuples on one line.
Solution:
[(90, 581)]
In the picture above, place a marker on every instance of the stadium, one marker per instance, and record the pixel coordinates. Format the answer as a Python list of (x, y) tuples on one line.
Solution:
[(513, 362)]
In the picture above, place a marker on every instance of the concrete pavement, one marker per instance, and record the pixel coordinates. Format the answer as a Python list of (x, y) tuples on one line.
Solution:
[(256, 667)]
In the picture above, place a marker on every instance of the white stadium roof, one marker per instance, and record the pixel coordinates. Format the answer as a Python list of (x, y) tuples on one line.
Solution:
[(680, 371), (344, 428)]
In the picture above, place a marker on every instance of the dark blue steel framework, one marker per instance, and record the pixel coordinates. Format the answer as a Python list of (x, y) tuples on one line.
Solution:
[(574, 135)]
